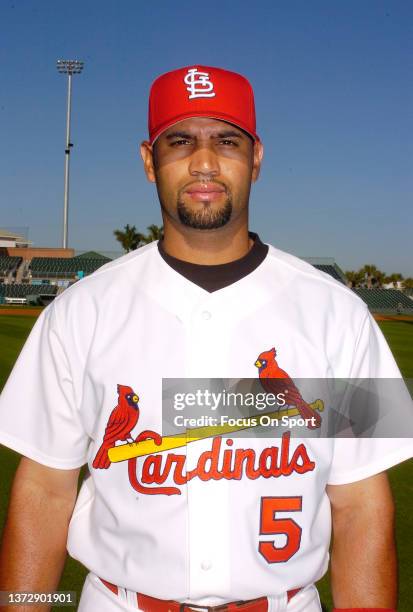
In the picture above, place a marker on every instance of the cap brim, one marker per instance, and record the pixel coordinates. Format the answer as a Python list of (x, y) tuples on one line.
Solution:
[(215, 115)]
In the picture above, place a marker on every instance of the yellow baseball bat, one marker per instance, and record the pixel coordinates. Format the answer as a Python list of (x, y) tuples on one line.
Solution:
[(124, 452)]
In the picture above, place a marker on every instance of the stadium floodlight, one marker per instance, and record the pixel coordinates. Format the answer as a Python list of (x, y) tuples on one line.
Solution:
[(68, 67)]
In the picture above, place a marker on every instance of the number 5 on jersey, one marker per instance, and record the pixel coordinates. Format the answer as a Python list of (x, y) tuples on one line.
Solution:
[(270, 525)]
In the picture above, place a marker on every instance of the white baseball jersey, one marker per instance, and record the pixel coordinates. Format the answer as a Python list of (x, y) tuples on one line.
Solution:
[(218, 519)]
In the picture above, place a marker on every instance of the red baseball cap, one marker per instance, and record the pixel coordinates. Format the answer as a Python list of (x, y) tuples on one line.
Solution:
[(201, 91)]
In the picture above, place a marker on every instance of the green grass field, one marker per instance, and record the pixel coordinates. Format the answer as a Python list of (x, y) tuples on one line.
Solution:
[(399, 334)]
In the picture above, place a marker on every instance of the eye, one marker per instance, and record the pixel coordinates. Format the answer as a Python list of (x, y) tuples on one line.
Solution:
[(180, 142), (228, 142), (135, 398)]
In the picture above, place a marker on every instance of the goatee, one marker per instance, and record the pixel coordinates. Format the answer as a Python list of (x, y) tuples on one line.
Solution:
[(207, 218)]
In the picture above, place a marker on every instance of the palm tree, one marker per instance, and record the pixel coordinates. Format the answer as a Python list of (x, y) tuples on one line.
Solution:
[(371, 273), (129, 238), (379, 279), (154, 233), (353, 278)]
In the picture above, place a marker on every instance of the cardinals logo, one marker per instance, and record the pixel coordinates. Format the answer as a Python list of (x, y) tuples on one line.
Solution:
[(275, 380), (157, 464), (122, 420)]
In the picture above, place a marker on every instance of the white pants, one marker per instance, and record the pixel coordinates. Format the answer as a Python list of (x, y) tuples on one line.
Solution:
[(95, 596)]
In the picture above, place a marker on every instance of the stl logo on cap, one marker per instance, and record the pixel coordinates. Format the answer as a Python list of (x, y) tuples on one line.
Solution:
[(199, 85)]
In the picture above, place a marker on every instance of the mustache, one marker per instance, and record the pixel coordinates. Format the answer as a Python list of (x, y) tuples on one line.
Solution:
[(205, 182)]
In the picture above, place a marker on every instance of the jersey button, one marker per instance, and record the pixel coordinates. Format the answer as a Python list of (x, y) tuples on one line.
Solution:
[(206, 564), (206, 315)]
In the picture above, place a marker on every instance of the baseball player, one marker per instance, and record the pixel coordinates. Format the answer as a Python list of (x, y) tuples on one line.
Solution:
[(168, 524)]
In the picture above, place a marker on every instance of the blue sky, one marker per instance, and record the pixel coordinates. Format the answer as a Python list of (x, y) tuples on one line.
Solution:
[(333, 91)]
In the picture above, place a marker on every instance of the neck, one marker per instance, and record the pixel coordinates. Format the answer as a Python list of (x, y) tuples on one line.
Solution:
[(207, 247)]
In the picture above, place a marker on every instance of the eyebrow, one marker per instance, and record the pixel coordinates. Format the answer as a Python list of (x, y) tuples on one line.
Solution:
[(230, 134), (178, 135), (224, 134)]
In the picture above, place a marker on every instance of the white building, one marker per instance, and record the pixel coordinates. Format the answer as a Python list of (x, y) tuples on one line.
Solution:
[(10, 239)]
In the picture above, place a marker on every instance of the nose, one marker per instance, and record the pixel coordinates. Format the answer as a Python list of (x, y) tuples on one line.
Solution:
[(204, 161)]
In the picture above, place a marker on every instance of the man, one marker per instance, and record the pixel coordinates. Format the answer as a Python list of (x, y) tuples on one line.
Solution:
[(161, 523)]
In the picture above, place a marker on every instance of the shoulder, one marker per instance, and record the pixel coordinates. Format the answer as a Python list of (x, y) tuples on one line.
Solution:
[(105, 292), (111, 276), (306, 277)]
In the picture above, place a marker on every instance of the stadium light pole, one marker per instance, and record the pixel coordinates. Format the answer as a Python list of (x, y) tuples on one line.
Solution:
[(69, 67)]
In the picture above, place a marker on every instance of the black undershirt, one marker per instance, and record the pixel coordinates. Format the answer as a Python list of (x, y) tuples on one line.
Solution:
[(212, 278)]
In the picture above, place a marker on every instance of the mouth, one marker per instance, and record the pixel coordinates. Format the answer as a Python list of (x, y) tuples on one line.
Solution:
[(204, 192)]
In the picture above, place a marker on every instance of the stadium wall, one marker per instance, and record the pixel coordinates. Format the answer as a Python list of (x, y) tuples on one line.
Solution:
[(29, 253)]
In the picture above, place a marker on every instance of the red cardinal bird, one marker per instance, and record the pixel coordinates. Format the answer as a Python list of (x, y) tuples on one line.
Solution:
[(275, 380), (122, 420)]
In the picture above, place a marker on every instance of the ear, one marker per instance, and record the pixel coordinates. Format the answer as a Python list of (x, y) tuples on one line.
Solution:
[(147, 157), (257, 160)]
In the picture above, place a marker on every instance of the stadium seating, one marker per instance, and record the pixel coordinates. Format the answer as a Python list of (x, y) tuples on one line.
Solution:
[(8, 264), (58, 267), (21, 291), (385, 299), (331, 270)]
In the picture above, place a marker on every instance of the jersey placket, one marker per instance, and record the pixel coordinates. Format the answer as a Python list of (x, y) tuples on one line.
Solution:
[(207, 501)]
